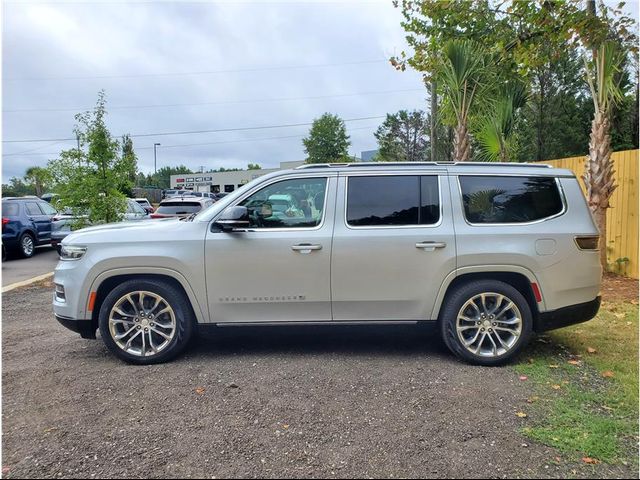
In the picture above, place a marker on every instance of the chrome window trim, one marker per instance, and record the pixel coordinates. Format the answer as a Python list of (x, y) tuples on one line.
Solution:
[(392, 174), (506, 224), (282, 178)]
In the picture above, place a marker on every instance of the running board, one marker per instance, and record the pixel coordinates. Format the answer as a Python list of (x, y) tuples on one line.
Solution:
[(327, 323)]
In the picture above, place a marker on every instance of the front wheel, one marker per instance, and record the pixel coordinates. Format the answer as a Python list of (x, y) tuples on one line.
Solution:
[(146, 321), (486, 322)]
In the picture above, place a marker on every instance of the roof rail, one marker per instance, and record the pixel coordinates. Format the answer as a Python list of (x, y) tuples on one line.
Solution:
[(418, 164)]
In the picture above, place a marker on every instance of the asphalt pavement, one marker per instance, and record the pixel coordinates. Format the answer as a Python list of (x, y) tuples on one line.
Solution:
[(16, 269)]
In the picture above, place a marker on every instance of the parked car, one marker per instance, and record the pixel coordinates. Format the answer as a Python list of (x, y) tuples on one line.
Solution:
[(65, 222), (48, 197), (183, 206), (26, 223), (174, 193), (487, 252), (144, 203)]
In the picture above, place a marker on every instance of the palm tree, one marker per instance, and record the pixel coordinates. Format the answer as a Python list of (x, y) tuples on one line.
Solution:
[(462, 77), (602, 76), (496, 127), (39, 177)]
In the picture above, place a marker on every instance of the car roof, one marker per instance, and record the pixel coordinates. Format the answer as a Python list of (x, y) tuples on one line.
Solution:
[(484, 168), (26, 197)]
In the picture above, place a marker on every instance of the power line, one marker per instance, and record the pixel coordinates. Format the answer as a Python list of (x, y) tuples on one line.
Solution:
[(244, 140), (205, 72), (191, 132), (225, 102)]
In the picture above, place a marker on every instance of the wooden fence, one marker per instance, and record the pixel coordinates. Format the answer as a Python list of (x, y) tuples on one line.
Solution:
[(622, 217)]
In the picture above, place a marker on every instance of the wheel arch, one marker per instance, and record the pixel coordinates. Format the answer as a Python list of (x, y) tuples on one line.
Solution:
[(519, 277), (106, 281)]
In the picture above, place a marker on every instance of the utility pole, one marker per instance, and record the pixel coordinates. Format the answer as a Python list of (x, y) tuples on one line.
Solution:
[(434, 115), (155, 158)]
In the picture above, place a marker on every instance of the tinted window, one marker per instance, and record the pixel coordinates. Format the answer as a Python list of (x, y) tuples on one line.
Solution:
[(33, 209), (296, 203), (509, 199), (393, 200), (179, 208), (47, 209), (9, 208)]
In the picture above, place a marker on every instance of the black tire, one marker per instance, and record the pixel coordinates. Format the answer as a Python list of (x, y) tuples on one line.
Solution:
[(185, 319), (456, 300), (23, 246)]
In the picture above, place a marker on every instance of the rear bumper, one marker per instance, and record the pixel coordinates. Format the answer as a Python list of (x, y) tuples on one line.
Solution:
[(86, 328), (563, 317)]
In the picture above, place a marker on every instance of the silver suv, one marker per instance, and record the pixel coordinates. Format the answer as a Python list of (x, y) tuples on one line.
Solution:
[(489, 252)]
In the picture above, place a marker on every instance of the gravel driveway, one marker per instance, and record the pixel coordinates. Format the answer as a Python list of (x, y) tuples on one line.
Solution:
[(271, 402)]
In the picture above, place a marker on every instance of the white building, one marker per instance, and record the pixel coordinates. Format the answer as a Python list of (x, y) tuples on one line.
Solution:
[(223, 181)]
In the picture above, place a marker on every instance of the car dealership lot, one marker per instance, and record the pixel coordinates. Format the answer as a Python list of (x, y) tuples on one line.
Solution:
[(303, 402), (16, 269)]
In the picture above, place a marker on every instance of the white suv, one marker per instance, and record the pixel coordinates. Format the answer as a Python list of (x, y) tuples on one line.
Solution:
[(491, 252)]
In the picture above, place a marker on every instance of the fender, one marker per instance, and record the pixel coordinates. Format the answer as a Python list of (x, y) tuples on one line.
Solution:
[(483, 269), (202, 316)]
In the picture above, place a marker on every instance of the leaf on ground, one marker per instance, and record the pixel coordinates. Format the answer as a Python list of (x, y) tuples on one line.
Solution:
[(608, 374), (573, 362), (553, 366), (619, 315), (199, 390), (556, 387), (590, 460), (533, 399), (523, 377), (591, 350), (521, 415)]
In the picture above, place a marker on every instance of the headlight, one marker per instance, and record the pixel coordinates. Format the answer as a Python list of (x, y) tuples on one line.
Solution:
[(72, 252)]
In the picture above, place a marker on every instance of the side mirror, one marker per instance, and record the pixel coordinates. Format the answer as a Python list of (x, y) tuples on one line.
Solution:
[(232, 218)]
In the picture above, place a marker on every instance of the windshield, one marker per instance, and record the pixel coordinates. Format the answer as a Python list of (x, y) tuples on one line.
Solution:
[(179, 208)]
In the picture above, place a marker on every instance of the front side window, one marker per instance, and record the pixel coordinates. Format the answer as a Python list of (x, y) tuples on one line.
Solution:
[(393, 200), (47, 209), (33, 209), (494, 199), (296, 203)]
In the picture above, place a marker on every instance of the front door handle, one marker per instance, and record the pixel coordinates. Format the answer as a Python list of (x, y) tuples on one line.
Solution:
[(430, 246), (305, 247)]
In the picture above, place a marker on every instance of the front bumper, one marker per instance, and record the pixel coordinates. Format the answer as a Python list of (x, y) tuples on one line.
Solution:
[(563, 317), (86, 328)]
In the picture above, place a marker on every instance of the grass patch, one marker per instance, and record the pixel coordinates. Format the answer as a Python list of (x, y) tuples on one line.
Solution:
[(586, 401)]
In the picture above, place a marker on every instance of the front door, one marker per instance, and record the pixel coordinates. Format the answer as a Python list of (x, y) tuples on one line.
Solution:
[(393, 245), (41, 221), (277, 269)]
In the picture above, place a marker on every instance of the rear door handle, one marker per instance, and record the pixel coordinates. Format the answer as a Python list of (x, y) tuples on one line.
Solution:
[(430, 246), (305, 247)]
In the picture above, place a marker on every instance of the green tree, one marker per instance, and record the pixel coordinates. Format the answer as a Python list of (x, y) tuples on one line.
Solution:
[(129, 166), (39, 177), (87, 179), (327, 141), (17, 188), (403, 137), (253, 166), (162, 178)]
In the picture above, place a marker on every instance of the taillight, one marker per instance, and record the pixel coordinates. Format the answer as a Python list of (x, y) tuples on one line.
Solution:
[(5, 220), (588, 242), (156, 215)]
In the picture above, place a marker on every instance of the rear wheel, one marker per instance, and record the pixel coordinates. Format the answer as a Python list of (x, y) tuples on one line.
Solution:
[(486, 322), (27, 245), (146, 321)]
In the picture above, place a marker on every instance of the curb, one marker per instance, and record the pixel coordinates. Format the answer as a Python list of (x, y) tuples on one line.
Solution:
[(24, 283)]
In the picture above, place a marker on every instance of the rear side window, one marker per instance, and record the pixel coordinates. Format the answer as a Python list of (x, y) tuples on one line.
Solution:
[(509, 199), (10, 209), (393, 200), (179, 208), (32, 208)]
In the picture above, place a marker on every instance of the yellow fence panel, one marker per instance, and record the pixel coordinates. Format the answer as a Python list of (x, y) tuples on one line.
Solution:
[(622, 217)]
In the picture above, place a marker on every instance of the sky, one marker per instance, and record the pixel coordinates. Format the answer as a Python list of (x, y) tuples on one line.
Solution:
[(170, 67)]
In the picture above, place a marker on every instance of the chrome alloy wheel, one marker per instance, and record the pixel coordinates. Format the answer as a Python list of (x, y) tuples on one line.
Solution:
[(142, 323), (489, 324), (27, 245)]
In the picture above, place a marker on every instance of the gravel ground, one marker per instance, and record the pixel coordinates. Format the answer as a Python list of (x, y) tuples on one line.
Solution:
[(262, 402)]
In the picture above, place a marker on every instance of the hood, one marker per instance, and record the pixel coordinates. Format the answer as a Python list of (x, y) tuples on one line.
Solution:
[(125, 231)]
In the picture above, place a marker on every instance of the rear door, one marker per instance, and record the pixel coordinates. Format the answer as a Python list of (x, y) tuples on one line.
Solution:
[(393, 245), (41, 221)]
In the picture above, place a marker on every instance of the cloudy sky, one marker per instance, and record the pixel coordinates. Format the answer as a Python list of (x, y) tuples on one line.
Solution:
[(172, 67)]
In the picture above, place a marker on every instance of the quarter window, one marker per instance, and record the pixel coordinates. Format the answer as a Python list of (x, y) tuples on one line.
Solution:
[(509, 199), (296, 203), (393, 200)]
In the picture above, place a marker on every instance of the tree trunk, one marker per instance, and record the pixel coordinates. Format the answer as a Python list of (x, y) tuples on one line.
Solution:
[(598, 177), (461, 144)]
